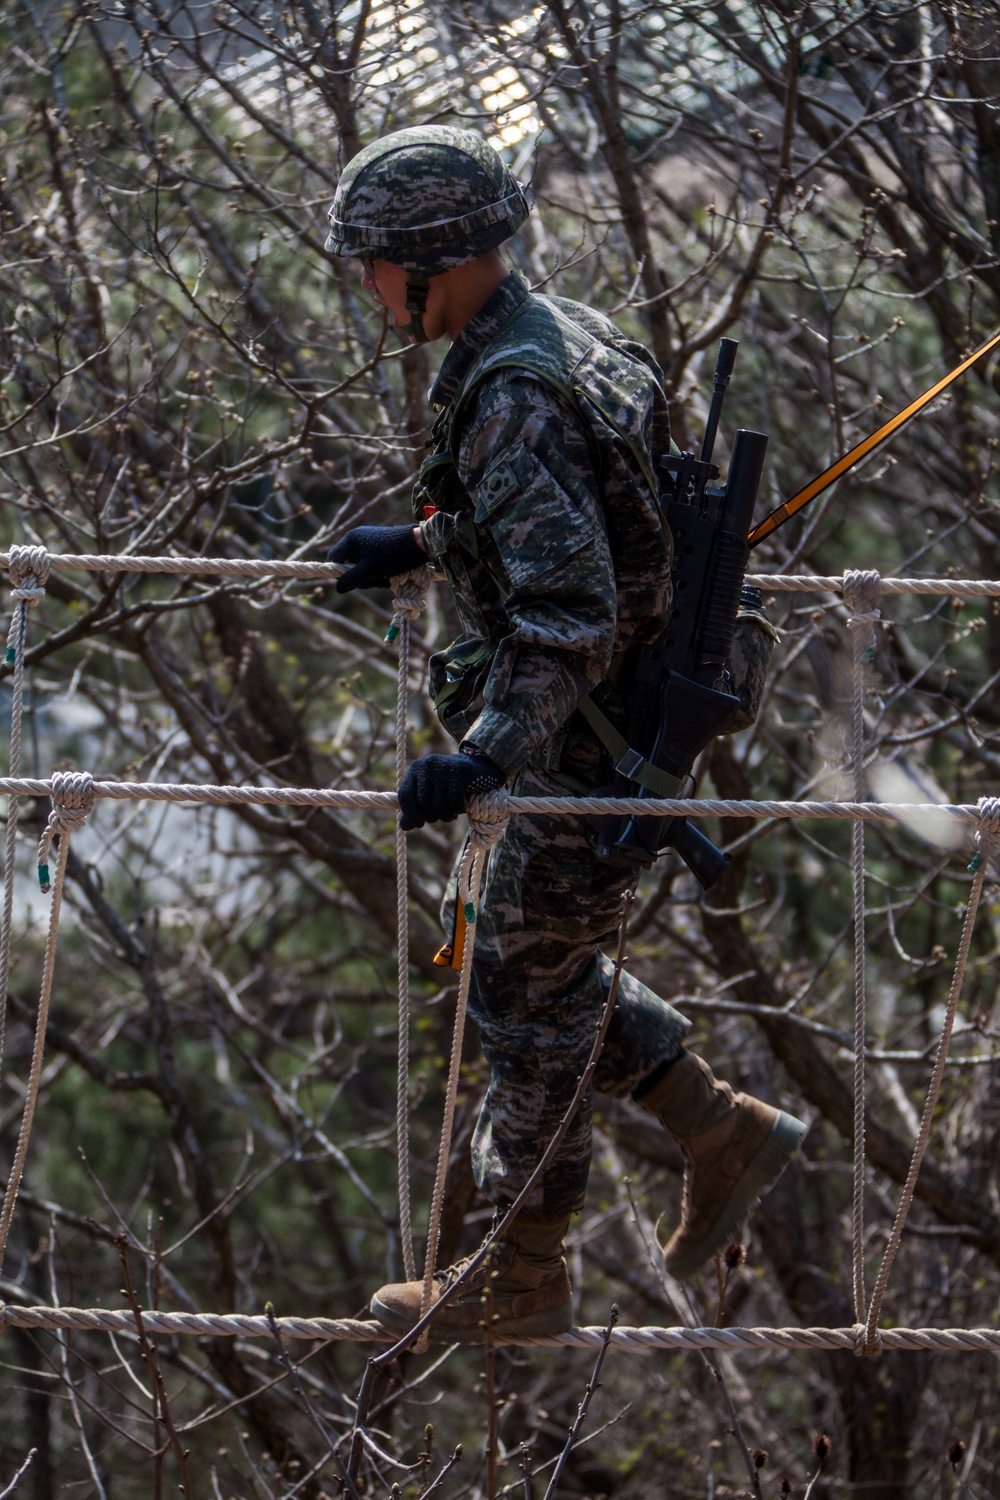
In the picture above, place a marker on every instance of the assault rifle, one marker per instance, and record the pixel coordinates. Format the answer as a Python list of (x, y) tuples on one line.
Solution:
[(680, 703), (678, 685)]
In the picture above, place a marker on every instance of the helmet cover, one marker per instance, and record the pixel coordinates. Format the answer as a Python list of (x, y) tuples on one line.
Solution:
[(427, 198)]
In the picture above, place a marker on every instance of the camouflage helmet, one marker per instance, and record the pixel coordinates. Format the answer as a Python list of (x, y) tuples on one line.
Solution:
[(427, 198)]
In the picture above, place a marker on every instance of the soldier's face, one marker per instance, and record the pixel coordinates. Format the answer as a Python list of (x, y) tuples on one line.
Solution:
[(387, 283)]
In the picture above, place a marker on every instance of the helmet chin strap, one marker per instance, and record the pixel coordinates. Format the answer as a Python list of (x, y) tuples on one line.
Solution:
[(417, 287)]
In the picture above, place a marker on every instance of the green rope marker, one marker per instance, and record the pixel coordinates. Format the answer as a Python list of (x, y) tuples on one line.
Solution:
[(470, 912), (11, 655), (868, 656), (391, 634), (43, 877), (974, 863)]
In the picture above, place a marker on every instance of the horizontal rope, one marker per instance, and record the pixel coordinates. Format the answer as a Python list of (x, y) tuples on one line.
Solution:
[(958, 588), (258, 568), (214, 567), (636, 1340), (290, 796)]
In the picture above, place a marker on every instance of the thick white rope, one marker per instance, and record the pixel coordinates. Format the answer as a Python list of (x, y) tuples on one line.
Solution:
[(949, 588), (409, 601), (71, 802), (29, 570), (256, 568), (657, 807), (986, 845), (629, 1340), (488, 816), (862, 593), (213, 567)]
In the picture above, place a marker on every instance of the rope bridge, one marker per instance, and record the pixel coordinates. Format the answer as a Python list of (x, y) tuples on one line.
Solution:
[(73, 795)]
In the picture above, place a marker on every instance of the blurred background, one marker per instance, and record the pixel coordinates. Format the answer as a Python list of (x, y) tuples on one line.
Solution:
[(183, 369)]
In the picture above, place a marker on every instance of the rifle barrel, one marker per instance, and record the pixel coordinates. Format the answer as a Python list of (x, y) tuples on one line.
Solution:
[(723, 373)]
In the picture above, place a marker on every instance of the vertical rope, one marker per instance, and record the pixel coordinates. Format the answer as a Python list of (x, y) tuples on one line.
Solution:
[(409, 599), (29, 571), (488, 816), (72, 800), (862, 592), (987, 840)]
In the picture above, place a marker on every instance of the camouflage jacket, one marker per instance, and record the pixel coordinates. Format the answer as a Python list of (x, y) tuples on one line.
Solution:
[(545, 516)]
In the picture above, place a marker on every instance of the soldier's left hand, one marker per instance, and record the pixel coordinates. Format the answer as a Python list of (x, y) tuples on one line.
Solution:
[(436, 788), (376, 555)]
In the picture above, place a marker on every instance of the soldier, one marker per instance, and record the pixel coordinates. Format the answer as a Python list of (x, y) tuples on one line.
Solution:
[(538, 501)]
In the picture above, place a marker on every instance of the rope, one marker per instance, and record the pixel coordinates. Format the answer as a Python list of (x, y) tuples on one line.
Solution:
[(862, 593), (29, 571), (986, 844), (629, 1340), (409, 602), (215, 567), (71, 802), (488, 816), (657, 807), (950, 588), (257, 568)]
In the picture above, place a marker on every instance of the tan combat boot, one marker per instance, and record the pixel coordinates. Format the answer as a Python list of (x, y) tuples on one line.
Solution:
[(531, 1294), (735, 1147)]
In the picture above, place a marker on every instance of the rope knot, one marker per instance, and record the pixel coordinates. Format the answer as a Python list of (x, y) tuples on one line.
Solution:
[(863, 595), (988, 832), (489, 813), (29, 572), (989, 815), (409, 598), (868, 1342), (72, 800)]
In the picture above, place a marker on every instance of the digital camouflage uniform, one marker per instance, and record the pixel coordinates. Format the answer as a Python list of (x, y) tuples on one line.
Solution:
[(539, 500), (547, 527)]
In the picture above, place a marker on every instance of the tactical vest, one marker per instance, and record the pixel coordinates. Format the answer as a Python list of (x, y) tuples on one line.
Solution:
[(616, 387), (613, 382), (590, 363)]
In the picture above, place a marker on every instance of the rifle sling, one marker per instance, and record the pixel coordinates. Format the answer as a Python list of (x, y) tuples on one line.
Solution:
[(629, 762)]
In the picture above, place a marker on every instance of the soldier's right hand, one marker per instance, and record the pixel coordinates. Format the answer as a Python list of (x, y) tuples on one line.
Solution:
[(436, 788), (376, 554)]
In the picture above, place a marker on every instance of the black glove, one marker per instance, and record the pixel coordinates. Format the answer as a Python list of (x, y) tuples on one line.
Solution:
[(378, 554), (436, 788)]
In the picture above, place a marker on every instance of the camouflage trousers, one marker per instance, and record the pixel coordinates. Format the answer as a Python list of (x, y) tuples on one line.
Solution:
[(539, 982)]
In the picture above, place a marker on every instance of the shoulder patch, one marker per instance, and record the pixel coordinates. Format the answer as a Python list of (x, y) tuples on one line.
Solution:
[(498, 485)]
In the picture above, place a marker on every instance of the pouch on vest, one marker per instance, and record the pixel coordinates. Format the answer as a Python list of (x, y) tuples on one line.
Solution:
[(457, 679), (753, 642), (438, 484)]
